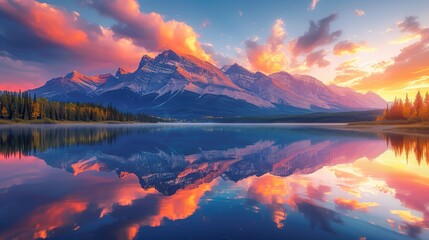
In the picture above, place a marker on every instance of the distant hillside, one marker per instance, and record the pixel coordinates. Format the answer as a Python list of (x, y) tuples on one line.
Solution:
[(337, 117)]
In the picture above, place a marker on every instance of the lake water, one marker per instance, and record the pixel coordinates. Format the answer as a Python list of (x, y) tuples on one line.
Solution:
[(211, 182)]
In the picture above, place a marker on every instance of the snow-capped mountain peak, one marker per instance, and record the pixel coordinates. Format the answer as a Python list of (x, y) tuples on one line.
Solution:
[(80, 78), (176, 85)]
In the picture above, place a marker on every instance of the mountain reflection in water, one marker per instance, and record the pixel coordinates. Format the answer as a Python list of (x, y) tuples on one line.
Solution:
[(211, 182)]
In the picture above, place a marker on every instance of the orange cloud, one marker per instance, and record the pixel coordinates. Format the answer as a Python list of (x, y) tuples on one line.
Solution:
[(268, 57), (353, 204), (405, 39), (347, 47), (275, 192), (271, 191), (50, 40), (47, 218), (407, 216), (131, 232), (181, 205), (409, 71), (347, 65), (44, 41), (86, 165), (348, 71), (150, 30), (381, 66)]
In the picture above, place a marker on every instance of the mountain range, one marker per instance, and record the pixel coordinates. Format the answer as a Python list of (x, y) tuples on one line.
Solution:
[(185, 87)]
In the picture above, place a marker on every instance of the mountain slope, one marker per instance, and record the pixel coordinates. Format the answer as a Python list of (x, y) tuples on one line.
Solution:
[(183, 86), (170, 73), (349, 97)]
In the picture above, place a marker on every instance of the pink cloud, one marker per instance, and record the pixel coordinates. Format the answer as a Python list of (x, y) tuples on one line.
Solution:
[(410, 25), (318, 35), (54, 41), (410, 67), (317, 58), (319, 192), (64, 28), (150, 30)]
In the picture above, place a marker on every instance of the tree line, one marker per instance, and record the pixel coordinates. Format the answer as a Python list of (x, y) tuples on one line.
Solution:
[(417, 110), (27, 141), (21, 105)]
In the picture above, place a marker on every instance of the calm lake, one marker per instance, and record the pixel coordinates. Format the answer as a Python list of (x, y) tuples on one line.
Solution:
[(208, 181)]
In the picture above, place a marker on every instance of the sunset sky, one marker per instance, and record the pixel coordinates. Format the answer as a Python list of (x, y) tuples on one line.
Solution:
[(381, 46)]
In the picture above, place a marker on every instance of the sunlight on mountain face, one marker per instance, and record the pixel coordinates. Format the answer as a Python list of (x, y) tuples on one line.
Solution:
[(279, 178)]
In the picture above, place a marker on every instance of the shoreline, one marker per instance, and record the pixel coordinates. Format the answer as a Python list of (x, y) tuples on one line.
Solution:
[(54, 122), (417, 129), (421, 129)]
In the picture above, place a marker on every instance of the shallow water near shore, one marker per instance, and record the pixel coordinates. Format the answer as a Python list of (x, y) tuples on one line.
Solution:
[(211, 181)]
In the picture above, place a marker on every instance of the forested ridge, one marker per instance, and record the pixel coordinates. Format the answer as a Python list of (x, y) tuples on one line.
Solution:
[(21, 105)]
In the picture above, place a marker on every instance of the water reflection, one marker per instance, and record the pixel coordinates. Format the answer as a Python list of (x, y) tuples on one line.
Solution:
[(193, 182), (27, 140), (418, 145)]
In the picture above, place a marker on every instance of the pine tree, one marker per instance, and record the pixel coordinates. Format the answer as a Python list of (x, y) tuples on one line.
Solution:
[(418, 104), (4, 112), (407, 107), (35, 110), (425, 109)]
